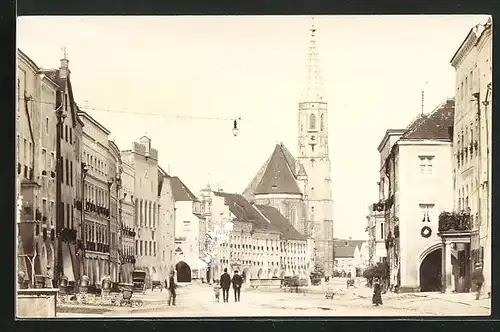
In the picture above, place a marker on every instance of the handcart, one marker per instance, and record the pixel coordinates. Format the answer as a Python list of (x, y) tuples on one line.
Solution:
[(127, 292)]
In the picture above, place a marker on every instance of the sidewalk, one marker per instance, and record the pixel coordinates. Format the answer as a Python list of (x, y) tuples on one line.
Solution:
[(462, 298)]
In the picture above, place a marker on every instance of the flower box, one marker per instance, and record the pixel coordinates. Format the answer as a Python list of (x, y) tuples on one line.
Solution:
[(454, 222)]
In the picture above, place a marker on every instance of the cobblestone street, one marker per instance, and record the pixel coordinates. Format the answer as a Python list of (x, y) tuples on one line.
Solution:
[(198, 300)]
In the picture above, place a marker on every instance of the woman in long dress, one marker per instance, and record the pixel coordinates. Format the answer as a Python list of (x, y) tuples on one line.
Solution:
[(377, 293)]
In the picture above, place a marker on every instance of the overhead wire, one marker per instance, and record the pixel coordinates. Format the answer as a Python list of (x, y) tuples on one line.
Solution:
[(97, 109)]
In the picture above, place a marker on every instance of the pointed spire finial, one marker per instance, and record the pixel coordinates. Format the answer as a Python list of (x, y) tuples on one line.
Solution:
[(313, 90)]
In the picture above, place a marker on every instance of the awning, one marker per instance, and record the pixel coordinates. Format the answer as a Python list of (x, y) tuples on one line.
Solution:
[(67, 262)]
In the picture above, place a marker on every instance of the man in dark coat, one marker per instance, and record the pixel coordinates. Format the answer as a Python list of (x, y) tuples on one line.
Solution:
[(377, 293), (237, 282), (171, 289), (225, 283), (478, 279)]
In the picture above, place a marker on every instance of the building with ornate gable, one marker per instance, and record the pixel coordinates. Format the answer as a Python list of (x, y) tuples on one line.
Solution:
[(416, 186)]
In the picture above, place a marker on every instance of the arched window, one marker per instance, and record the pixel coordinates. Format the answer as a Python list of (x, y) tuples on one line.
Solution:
[(322, 123), (312, 121)]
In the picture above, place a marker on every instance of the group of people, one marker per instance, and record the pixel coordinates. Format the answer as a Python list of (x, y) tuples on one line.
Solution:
[(225, 283)]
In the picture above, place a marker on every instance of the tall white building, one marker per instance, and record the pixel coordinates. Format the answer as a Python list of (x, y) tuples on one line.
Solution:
[(144, 161), (416, 184), (96, 205)]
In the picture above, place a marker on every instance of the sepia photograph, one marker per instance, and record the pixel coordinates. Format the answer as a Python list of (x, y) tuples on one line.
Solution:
[(253, 166)]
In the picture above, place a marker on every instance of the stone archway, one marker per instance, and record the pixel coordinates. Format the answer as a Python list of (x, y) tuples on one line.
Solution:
[(259, 274), (430, 271), (276, 272), (282, 274), (183, 272)]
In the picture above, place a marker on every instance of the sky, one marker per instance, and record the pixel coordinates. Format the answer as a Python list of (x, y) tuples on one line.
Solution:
[(254, 68)]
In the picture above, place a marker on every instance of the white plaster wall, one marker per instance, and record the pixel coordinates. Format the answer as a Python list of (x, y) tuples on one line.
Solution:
[(414, 190)]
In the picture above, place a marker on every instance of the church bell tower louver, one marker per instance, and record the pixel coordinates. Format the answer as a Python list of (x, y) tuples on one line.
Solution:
[(313, 154)]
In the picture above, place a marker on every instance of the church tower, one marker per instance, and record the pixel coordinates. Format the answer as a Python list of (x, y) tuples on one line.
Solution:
[(313, 154)]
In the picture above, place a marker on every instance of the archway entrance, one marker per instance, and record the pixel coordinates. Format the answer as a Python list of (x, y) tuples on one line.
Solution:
[(430, 272), (183, 272), (245, 275)]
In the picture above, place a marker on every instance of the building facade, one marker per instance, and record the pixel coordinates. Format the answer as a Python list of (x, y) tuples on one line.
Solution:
[(472, 140), (97, 195), (416, 184), (127, 218), (144, 160), (187, 213), (376, 234), (115, 192), (166, 206), (35, 182), (260, 242)]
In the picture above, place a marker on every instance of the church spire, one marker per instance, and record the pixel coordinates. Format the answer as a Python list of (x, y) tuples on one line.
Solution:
[(314, 86)]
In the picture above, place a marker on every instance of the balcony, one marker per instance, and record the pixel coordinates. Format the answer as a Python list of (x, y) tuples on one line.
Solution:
[(453, 222)]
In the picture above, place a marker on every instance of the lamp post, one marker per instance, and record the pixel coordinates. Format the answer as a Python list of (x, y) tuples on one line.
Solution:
[(85, 169), (60, 115)]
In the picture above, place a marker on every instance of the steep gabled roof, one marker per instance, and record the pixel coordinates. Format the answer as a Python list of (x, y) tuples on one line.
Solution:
[(180, 192), (281, 223), (244, 211), (279, 172), (338, 243), (345, 252), (434, 126)]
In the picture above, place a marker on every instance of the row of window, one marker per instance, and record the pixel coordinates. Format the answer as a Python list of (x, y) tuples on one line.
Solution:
[(145, 248), (252, 242), (463, 197), (97, 233), (128, 250), (313, 122), (146, 213), (95, 164), (97, 195)]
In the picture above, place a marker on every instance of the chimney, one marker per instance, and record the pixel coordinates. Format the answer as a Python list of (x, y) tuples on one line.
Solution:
[(64, 68)]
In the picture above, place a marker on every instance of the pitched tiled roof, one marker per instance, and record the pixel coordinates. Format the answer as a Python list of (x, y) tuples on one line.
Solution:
[(244, 211), (180, 191), (280, 171), (348, 243), (345, 252), (278, 220), (436, 125)]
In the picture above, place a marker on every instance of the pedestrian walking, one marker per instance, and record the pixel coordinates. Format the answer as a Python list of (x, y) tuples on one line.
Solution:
[(377, 293), (171, 289), (237, 282), (225, 283), (478, 279)]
